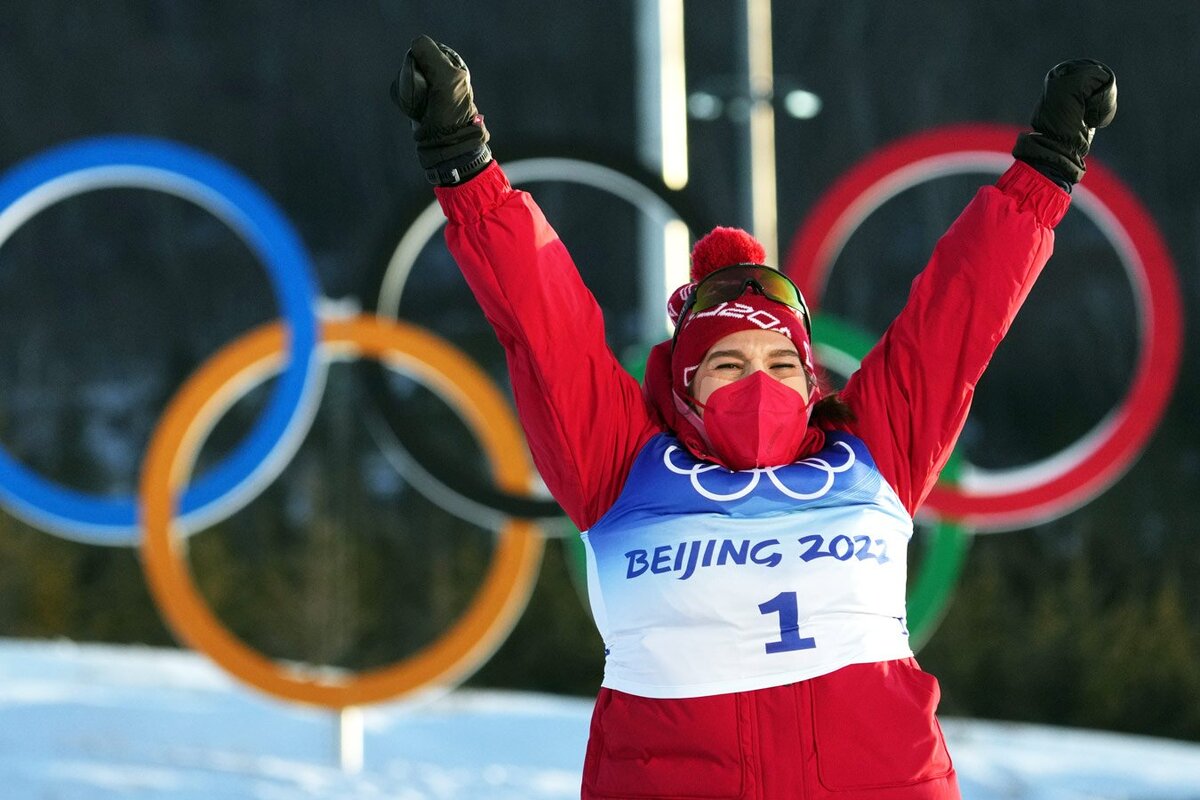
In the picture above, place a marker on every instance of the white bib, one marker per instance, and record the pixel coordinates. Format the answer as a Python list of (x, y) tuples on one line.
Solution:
[(704, 581)]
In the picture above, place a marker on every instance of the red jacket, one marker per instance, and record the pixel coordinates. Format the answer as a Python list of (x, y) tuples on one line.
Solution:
[(864, 731)]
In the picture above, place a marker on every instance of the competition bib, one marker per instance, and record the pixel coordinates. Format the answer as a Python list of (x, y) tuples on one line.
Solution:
[(705, 581)]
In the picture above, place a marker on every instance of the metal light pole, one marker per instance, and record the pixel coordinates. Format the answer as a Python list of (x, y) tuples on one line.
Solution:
[(758, 157), (663, 149)]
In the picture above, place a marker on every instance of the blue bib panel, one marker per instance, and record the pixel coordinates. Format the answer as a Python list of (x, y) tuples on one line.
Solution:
[(704, 581)]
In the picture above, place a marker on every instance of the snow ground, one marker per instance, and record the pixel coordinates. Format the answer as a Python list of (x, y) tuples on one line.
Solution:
[(98, 722)]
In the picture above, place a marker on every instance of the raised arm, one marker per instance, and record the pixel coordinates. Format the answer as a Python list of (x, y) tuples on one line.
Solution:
[(582, 413), (914, 389)]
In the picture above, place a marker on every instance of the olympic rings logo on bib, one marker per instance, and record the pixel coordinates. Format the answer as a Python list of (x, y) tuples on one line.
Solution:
[(821, 465)]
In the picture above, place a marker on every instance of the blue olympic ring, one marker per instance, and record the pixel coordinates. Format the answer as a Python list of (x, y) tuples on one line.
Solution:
[(142, 162)]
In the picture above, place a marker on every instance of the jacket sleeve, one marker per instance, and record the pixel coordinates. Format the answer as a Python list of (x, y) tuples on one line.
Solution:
[(583, 414), (914, 388)]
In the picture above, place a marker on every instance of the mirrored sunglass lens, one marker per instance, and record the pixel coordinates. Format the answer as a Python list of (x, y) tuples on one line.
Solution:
[(779, 288), (719, 289)]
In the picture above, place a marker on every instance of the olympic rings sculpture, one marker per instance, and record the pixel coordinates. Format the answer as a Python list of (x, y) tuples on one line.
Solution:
[(298, 348)]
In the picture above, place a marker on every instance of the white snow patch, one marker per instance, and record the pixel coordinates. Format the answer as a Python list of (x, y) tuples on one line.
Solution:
[(97, 722)]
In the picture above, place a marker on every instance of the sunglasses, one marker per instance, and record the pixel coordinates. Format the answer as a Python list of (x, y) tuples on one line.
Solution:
[(729, 283)]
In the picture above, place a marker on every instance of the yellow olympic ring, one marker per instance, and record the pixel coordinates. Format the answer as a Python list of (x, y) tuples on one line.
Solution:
[(189, 419)]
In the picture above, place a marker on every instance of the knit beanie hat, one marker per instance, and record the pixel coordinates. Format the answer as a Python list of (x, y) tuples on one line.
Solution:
[(726, 247)]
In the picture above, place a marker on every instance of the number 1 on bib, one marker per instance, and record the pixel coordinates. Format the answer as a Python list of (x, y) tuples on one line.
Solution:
[(788, 609)]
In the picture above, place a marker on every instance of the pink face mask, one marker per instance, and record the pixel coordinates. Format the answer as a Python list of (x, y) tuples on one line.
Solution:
[(757, 422)]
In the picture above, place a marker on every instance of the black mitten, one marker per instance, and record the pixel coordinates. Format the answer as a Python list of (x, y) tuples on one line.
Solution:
[(1077, 97), (433, 89)]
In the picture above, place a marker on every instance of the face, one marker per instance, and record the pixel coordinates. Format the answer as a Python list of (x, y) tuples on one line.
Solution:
[(741, 354)]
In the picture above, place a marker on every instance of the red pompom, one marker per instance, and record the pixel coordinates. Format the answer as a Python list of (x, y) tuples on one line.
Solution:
[(724, 247)]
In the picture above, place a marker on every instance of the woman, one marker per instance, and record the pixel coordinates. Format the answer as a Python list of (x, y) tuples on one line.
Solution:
[(746, 534)]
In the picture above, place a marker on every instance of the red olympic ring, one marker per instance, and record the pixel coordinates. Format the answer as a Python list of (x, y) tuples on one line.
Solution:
[(1083, 470)]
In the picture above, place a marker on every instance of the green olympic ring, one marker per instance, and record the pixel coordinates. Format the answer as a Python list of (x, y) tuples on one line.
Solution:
[(840, 347)]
